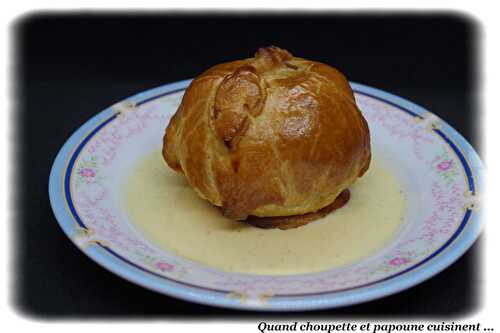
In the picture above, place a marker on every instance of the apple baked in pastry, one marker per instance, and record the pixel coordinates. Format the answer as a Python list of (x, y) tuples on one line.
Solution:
[(274, 140)]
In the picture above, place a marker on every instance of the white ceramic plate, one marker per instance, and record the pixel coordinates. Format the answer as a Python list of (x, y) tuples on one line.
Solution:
[(439, 171)]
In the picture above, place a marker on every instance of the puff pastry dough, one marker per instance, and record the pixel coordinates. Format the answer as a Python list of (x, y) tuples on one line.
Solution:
[(269, 136)]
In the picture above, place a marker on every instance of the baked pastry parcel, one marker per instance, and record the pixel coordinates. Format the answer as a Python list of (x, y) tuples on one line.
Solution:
[(272, 139)]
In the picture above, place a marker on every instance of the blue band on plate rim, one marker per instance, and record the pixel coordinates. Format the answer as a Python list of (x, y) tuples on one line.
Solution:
[(395, 101)]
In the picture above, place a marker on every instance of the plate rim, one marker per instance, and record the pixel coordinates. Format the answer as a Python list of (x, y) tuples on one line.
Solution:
[(277, 303)]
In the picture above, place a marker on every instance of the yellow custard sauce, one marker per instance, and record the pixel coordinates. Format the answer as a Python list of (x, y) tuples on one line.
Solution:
[(163, 206)]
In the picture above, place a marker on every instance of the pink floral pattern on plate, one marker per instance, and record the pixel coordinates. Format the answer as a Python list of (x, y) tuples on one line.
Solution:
[(431, 176)]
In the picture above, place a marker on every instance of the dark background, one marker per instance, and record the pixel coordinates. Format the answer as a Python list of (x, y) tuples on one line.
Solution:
[(69, 67)]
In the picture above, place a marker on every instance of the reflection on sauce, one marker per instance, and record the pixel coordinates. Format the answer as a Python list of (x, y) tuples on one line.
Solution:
[(169, 213)]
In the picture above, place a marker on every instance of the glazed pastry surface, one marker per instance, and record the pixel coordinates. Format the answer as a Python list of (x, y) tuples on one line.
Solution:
[(272, 135)]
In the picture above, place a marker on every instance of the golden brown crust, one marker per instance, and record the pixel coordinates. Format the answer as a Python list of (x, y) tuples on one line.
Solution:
[(272, 135), (295, 221), (239, 96)]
